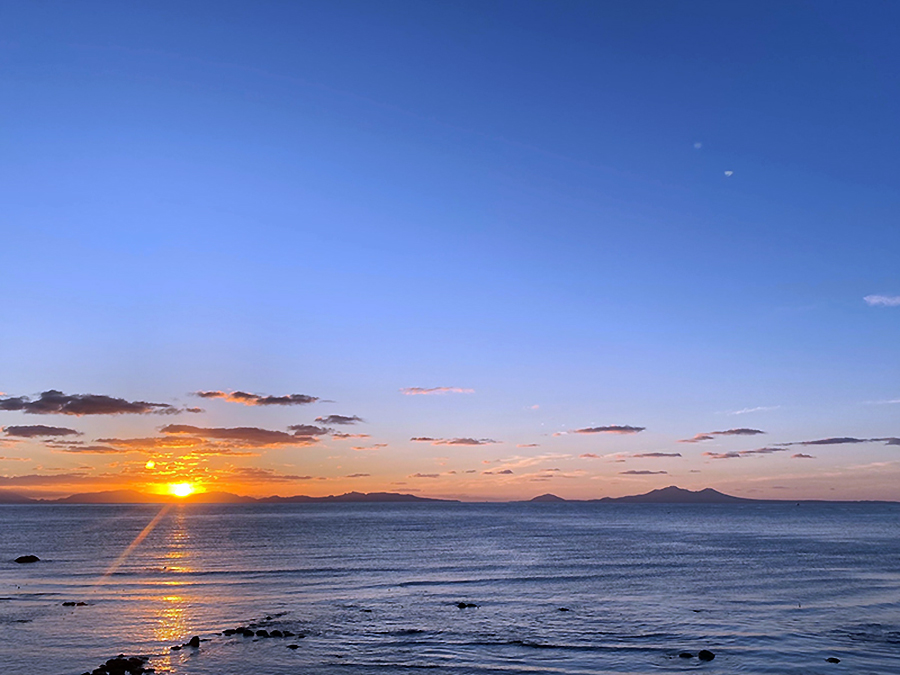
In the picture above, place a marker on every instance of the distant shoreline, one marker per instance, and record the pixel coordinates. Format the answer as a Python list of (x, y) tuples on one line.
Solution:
[(671, 495)]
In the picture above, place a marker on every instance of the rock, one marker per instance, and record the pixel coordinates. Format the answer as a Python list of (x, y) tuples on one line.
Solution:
[(276, 633), (293, 646), (833, 659), (68, 604), (686, 655), (175, 648), (194, 642), (27, 559), (262, 633), (706, 655), (246, 632), (287, 633), (563, 609), (466, 605)]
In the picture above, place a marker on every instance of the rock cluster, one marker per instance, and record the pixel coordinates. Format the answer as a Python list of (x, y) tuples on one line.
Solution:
[(703, 655), (465, 605), (121, 664)]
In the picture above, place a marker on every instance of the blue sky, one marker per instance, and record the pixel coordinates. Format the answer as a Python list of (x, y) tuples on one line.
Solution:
[(524, 199)]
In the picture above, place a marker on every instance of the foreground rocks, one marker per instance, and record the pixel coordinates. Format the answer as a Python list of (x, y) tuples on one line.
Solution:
[(27, 559), (121, 664)]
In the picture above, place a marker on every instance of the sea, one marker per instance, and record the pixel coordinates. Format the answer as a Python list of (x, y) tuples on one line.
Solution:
[(563, 588)]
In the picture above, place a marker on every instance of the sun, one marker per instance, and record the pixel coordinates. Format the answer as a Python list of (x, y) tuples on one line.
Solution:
[(181, 489)]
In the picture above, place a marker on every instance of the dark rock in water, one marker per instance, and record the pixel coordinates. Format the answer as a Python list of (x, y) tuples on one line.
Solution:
[(81, 604), (27, 559), (706, 655), (293, 646), (466, 605), (833, 659), (276, 633), (231, 631), (247, 633), (68, 604), (194, 642), (262, 633), (175, 648), (287, 633), (563, 609), (686, 655)]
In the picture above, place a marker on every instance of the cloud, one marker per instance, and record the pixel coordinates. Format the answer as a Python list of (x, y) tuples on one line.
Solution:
[(376, 446), (255, 475), (53, 402), (454, 441), (308, 430), (882, 300), (250, 436), (37, 480), (590, 455), (422, 391), (258, 399), (358, 475), (760, 408), (153, 444), (612, 429), (39, 431), (743, 453), (709, 435), (800, 455), (848, 440), (424, 475), (14, 459), (642, 473), (505, 471), (93, 450), (340, 419), (528, 445), (658, 454)]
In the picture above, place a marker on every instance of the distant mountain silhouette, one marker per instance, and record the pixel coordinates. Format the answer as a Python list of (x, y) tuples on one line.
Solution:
[(677, 495), (135, 497), (668, 495), (7, 497), (547, 498)]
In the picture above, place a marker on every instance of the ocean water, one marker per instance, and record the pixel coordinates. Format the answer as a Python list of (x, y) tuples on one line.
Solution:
[(373, 588)]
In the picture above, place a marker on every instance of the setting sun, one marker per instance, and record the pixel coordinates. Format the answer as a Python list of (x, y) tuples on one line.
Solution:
[(181, 489)]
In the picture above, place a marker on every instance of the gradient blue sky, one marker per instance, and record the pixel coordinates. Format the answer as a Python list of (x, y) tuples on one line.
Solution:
[(529, 200)]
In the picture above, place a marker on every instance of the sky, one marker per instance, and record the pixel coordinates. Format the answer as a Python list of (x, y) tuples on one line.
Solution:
[(469, 250)]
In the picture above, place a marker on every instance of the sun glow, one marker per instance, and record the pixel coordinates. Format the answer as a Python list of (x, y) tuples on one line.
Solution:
[(181, 489)]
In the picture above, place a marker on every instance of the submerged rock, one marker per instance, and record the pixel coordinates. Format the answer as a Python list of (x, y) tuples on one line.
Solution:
[(465, 605), (276, 633), (293, 646), (833, 659), (706, 655), (262, 633), (27, 559), (686, 655)]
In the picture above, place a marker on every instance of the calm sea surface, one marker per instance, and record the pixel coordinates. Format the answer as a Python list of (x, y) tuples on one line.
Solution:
[(374, 588)]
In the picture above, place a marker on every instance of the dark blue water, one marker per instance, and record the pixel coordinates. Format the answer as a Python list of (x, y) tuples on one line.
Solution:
[(374, 588)]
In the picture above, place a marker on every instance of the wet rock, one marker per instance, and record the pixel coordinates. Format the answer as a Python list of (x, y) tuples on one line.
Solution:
[(194, 642), (833, 659), (248, 633), (175, 648), (276, 633), (686, 655), (231, 631), (706, 655), (288, 633), (293, 646), (68, 604), (466, 605), (563, 609), (27, 559), (262, 633)]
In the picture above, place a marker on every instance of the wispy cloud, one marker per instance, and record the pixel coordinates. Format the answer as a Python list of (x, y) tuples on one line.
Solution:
[(847, 440), (249, 436), (800, 455), (710, 435), (308, 430), (340, 419), (39, 431), (424, 475), (247, 474), (342, 436), (428, 391), (258, 399), (611, 429), (642, 473), (658, 454), (454, 441), (93, 450), (528, 445), (759, 408), (53, 402), (358, 475), (375, 446), (743, 453), (882, 300)]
